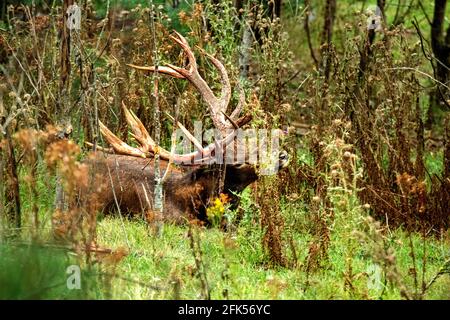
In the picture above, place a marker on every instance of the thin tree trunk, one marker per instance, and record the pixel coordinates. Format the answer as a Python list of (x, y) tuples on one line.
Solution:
[(63, 104), (245, 52), (3, 10), (13, 212), (2, 195), (275, 9), (10, 208), (440, 42), (329, 17), (382, 4), (159, 190), (2, 168), (327, 36), (65, 56), (308, 32)]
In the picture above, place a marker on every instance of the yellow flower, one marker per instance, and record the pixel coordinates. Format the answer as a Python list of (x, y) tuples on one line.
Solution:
[(217, 210)]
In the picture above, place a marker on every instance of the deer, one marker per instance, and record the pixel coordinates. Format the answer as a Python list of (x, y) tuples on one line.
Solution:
[(191, 180)]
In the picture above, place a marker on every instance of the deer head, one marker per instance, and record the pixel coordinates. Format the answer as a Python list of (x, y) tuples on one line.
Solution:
[(192, 179)]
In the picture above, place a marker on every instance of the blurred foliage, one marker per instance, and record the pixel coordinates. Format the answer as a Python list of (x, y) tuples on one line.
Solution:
[(39, 272)]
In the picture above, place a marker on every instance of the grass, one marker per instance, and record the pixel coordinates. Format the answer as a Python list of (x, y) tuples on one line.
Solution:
[(40, 272), (235, 264), (160, 260)]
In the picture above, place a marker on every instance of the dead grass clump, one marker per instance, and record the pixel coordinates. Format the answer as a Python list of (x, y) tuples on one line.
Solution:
[(272, 222)]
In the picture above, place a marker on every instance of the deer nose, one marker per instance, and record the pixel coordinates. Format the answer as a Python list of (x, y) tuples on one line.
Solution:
[(283, 158)]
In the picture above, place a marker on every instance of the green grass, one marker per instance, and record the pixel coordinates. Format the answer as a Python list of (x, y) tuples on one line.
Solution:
[(233, 262), (159, 260), (39, 271)]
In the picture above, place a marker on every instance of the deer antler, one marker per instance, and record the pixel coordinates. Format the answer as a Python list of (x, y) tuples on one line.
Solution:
[(149, 148), (217, 107)]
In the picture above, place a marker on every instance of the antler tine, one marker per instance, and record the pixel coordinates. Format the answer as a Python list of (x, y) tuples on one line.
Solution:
[(231, 121), (182, 42), (216, 106), (237, 111), (140, 133), (226, 86), (121, 147), (143, 137), (118, 145), (161, 69), (194, 158), (148, 144), (196, 143)]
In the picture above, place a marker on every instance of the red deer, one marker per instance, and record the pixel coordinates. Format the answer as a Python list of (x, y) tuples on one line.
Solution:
[(194, 178)]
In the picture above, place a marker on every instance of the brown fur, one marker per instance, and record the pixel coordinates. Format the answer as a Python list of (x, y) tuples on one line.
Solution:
[(187, 190)]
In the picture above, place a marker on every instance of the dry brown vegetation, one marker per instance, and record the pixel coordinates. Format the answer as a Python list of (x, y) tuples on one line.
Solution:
[(368, 168)]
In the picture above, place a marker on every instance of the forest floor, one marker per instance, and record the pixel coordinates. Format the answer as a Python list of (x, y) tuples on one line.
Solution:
[(233, 266)]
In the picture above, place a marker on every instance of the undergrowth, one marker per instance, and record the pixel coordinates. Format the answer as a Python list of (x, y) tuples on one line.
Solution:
[(360, 213)]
